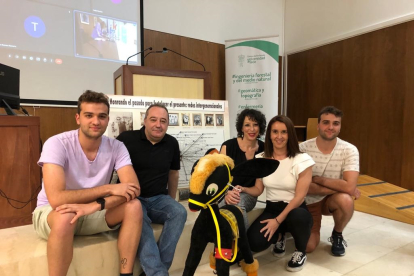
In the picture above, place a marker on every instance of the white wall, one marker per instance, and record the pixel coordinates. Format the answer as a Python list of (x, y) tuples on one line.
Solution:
[(309, 24), (216, 20)]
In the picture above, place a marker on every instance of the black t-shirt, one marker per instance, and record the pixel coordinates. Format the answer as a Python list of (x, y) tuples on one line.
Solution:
[(233, 150), (152, 163)]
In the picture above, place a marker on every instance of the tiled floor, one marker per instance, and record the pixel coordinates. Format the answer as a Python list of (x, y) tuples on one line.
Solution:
[(376, 246)]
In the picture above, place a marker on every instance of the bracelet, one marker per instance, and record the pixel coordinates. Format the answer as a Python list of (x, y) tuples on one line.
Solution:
[(277, 220)]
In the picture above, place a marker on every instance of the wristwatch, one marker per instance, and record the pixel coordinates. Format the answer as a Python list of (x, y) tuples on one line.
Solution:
[(102, 202)]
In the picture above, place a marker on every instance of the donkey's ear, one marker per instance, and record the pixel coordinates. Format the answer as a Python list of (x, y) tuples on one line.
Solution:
[(211, 151), (256, 168)]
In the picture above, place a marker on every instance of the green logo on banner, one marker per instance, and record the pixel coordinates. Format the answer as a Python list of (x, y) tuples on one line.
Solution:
[(272, 49)]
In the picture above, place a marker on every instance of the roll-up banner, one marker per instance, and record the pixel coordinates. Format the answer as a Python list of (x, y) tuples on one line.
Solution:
[(252, 72)]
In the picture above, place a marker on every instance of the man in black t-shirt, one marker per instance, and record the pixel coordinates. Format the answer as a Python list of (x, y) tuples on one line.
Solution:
[(155, 157)]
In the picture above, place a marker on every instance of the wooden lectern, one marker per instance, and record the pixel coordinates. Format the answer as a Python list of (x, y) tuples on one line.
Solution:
[(153, 82), (19, 172)]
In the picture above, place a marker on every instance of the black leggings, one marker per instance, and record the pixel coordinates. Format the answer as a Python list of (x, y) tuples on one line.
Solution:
[(298, 222)]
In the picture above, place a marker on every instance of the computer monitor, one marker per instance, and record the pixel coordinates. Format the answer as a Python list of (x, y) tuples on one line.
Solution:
[(9, 87)]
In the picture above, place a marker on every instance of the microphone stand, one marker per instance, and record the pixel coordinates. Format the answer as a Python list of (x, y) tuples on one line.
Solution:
[(149, 48), (166, 50), (156, 52)]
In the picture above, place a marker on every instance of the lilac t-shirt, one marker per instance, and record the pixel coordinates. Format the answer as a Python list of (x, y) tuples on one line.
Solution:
[(65, 150)]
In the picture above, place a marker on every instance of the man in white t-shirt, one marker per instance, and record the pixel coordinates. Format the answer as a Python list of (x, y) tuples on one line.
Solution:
[(334, 180)]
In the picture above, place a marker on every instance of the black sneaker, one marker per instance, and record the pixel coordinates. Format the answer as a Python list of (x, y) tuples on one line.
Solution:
[(279, 248), (297, 262), (338, 245)]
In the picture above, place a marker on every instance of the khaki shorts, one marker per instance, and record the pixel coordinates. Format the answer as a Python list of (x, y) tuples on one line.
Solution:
[(86, 225), (317, 210)]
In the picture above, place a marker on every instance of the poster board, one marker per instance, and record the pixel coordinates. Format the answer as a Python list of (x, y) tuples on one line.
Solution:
[(198, 125)]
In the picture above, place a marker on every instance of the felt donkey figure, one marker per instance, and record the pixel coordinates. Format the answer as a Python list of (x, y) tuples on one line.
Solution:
[(210, 179)]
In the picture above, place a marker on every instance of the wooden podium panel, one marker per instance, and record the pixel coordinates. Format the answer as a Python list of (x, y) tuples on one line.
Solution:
[(19, 172), (168, 87), (153, 82)]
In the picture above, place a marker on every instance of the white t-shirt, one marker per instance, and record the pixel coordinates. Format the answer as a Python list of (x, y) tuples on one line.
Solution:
[(281, 185), (344, 157)]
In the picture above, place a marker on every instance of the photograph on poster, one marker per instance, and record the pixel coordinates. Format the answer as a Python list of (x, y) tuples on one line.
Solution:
[(196, 119), (209, 119), (185, 119), (142, 118), (119, 122), (219, 120), (173, 119)]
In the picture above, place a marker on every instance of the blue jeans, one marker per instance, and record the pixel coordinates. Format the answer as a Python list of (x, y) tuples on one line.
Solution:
[(156, 258)]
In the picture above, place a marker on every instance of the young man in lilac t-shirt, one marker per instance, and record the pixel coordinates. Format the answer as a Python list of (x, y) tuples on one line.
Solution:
[(76, 198)]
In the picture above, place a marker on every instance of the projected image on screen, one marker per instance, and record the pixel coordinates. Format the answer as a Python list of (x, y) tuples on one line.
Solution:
[(99, 37), (63, 47)]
